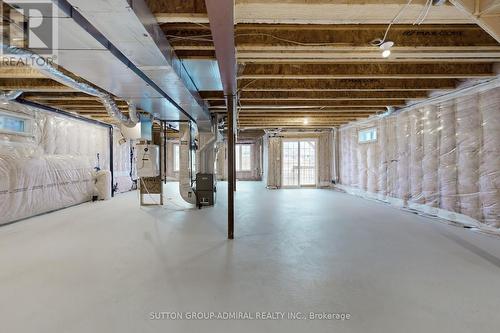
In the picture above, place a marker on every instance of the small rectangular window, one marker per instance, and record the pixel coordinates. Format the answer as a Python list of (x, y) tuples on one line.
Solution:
[(176, 158), (13, 124), (367, 135), (243, 157)]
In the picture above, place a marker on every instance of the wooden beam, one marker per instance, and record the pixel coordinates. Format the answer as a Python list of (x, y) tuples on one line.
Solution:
[(367, 71), (59, 96), (342, 103), (307, 37), (346, 84), (162, 18), (19, 72), (318, 95), (342, 12), (79, 103), (490, 23), (32, 85)]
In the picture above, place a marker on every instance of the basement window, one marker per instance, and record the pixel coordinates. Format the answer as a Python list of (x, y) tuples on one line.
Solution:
[(243, 158), (11, 124), (367, 135)]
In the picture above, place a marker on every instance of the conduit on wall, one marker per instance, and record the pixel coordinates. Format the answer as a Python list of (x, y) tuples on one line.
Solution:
[(442, 158)]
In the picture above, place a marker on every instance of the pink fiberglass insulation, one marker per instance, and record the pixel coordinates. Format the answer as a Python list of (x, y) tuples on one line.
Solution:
[(392, 157), (362, 166), (442, 155), (430, 160), (372, 162), (402, 156), (353, 157), (468, 146), (381, 173), (447, 157), (416, 156), (489, 182)]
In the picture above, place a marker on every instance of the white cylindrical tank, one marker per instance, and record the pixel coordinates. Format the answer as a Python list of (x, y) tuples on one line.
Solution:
[(103, 184)]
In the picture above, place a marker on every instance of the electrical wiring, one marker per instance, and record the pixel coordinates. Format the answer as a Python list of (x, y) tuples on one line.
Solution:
[(417, 20), (394, 21), (198, 38), (426, 13), (290, 41)]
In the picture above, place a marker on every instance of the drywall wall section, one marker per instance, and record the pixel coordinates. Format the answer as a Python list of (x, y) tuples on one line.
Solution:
[(442, 158), (51, 166)]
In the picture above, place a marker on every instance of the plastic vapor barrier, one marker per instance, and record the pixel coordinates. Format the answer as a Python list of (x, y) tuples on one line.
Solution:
[(441, 158), (51, 165), (123, 165)]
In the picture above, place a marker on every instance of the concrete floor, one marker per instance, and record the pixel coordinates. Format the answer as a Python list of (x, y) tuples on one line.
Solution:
[(104, 267)]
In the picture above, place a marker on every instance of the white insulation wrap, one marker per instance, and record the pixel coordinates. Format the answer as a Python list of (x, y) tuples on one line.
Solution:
[(51, 166), (122, 163), (441, 158)]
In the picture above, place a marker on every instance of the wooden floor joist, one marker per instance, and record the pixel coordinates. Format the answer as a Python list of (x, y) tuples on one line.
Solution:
[(367, 71), (313, 59), (352, 84)]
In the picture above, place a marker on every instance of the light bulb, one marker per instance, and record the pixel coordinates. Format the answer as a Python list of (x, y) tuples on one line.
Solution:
[(306, 121), (386, 53)]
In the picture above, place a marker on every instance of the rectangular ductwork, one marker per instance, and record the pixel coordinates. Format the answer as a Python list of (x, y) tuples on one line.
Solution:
[(118, 46)]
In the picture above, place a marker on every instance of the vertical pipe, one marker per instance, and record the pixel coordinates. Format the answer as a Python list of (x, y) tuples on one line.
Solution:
[(231, 174), (165, 137), (234, 160)]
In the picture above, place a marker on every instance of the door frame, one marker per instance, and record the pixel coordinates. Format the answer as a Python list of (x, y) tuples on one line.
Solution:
[(316, 142)]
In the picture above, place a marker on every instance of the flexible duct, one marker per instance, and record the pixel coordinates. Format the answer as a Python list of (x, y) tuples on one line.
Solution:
[(207, 152), (39, 63), (10, 95)]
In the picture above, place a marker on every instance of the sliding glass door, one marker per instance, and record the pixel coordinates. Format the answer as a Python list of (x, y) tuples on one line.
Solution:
[(299, 163)]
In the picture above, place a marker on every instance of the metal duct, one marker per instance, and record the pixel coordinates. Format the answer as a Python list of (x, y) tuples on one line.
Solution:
[(186, 156), (170, 92), (10, 95), (35, 61), (206, 153)]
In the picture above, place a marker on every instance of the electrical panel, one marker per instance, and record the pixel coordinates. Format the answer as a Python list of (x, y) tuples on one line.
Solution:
[(148, 160)]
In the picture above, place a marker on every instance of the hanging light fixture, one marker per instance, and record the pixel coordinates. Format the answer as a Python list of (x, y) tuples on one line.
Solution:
[(386, 48)]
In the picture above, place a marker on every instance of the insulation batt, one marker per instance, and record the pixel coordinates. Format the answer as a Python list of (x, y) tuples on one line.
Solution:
[(51, 167), (416, 156), (402, 134), (430, 160), (381, 173), (468, 144), (447, 157), (489, 182), (444, 156)]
